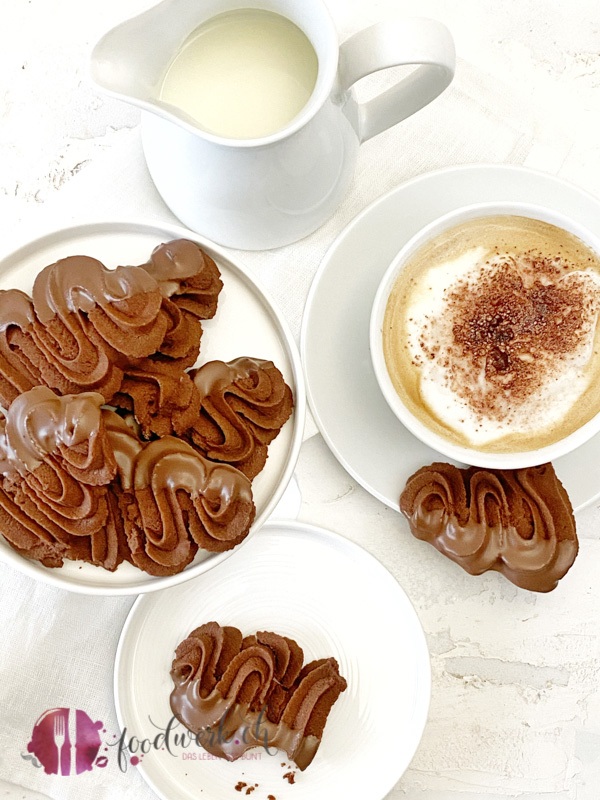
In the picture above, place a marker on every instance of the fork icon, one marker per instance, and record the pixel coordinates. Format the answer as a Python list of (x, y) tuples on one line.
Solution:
[(59, 740)]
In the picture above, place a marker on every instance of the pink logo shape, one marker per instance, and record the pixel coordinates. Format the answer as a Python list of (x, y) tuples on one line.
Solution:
[(65, 741)]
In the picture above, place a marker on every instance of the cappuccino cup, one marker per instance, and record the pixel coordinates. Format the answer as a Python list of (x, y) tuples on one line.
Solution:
[(485, 338)]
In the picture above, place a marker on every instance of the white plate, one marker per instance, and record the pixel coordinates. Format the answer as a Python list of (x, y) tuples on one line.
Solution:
[(334, 599), (348, 407), (246, 323)]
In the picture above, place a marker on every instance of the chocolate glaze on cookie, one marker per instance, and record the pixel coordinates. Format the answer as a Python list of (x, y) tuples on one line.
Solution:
[(235, 693), (518, 522), (127, 333), (243, 405), (77, 482)]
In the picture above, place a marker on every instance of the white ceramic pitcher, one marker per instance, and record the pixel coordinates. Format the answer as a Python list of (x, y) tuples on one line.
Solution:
[(262, 193)]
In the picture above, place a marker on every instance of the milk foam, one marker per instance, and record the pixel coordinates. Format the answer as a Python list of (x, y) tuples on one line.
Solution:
[(438, 366), (430, 321)]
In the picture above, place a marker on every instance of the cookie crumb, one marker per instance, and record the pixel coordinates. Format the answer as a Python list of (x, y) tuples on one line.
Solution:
[(240, 785), (290, 777)]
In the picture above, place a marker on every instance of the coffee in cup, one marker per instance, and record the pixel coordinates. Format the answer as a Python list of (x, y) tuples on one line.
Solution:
[(488, 335)]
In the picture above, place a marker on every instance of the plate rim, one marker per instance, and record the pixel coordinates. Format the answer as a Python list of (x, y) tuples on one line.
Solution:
[(355, 222), (150, 227), (348, 545)]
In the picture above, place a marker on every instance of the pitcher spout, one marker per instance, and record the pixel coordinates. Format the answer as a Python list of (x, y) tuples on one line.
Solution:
[(130, 60)]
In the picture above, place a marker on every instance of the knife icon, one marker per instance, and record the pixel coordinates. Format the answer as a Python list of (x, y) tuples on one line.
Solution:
[(72, 741)]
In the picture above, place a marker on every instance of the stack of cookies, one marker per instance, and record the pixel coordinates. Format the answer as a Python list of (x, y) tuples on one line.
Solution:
[(112, 449)]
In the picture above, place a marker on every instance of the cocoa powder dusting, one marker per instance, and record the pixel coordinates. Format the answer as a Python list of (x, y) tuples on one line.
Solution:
[(514, 324)]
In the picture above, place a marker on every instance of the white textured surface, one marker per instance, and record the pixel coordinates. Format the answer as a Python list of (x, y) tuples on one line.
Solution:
[(515, 709)]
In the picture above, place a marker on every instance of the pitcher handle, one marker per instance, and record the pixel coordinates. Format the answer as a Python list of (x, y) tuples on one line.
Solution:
[(394, 43)]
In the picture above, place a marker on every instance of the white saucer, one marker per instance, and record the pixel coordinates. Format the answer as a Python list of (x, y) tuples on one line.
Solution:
[(302, 583), (348, 407), (247, 322)]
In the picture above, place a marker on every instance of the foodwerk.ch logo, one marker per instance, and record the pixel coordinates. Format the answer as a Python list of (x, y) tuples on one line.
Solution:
[(65, 741)]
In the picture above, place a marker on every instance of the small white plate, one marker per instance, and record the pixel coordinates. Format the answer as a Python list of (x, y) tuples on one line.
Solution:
[(247, 323), (348, 407), (334, 599)]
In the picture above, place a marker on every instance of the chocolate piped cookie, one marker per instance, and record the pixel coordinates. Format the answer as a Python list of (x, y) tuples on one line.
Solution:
[(187, 275), (174, 501), (236, 694), (77, 482), (161, 397), (56, 466), (519, 522), (243, 405), (87, 328)]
